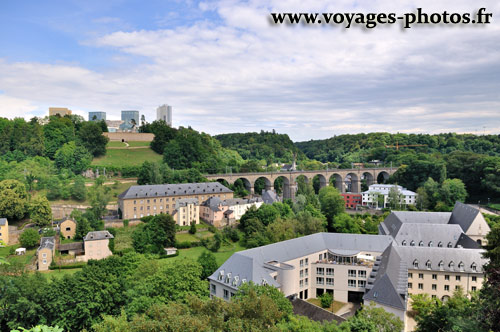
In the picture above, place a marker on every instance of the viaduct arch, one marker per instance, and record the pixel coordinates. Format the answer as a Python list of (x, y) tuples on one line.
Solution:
[(345, 180)]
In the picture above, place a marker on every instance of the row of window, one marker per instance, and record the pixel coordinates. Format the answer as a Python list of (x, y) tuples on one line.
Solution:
[(451, 265), (446, 277), (304, 273), (434, 287), (304, 262), (321, 271), (304, 282), (430, 244), (350, 282)]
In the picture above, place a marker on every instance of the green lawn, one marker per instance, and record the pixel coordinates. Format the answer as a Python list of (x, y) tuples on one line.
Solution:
[(336, 305), (193, 253), (183, 237), (494, 206), (60, 273), (115, 144), (126, 157), (123, 238), (135, 144), (115, 191)]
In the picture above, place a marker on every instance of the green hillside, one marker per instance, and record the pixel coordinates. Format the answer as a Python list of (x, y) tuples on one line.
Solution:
[(127, 157)]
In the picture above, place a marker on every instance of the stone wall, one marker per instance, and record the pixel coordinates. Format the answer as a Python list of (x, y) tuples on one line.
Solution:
[(130, 137)]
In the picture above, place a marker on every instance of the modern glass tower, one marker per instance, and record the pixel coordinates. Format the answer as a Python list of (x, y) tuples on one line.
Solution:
[(97, 116), (164, 113), (130, 120)]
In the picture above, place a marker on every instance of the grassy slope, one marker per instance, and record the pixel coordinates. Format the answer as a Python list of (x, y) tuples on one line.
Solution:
[(126, 157)]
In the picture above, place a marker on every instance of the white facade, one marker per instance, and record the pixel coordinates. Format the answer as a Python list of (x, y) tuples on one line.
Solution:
[(164, 113), (370, 196), (240, 209)]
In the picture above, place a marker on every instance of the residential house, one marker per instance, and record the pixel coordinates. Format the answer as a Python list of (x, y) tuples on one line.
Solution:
[(372, 197), (224, 212), (67, 227), (45, 253), (96, 245), (187, 211)]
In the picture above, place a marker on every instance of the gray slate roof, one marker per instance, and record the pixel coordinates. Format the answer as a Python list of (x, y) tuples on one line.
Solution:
[(429, 234), (463, 215), (391, 281), (270, 196), (161, 190), (447, 255), (250, 264), (3, 221), (214, 202), (47, 242), (186, 201), (98, 235)]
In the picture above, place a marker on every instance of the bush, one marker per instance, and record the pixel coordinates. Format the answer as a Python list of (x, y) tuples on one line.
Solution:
[(125, 222), (326, 300), (212, 229), (67, 267), (29, 238), (192, 229)]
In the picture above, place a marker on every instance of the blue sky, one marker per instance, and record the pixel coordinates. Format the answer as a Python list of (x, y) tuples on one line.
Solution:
[(224, 68)]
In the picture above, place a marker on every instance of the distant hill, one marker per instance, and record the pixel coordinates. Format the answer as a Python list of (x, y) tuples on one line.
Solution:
[(269, 146)]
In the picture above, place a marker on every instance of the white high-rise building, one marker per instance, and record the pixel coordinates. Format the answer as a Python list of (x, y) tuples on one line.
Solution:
[(164, 112)]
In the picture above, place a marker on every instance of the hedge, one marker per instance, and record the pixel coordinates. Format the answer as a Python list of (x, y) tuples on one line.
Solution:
[(67, 267)]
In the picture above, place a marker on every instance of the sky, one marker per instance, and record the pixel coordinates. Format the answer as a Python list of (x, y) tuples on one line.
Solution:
[(224, 67)]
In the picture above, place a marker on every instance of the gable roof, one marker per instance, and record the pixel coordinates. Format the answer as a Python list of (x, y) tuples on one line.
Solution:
[(463, 215), (429, 234), (162, 190)]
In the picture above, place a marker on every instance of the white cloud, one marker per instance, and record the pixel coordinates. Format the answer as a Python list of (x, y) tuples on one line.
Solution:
[(310, 82)]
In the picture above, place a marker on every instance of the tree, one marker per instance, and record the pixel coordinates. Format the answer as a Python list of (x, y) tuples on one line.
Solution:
[(249, 290), (395, 198), (82, 224), (192, 229), (40, 211), (490, 293), (99, 196), (326, 300), (29, 238), (40, 328), (90, 136), (73, 157), (332, 204), (156, 235), (382, 320), (452, 190), (78, 190), (13, 199), (208, 264)]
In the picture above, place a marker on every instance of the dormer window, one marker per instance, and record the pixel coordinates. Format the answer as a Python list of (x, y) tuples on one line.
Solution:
[(431, 244), (451, 265), (415, 264), (421, 244), (228, 278), (450, 245), (403, 243), (264, 282), (428, 264), (221, 275), (235, 280), (412, 243), (440, 244), (441, 265), (461, 266), (473, 267)]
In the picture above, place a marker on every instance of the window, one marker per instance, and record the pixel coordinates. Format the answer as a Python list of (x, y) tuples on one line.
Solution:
[(68, 229), (473, 267), (226, 294), (415, 264), (320, 271), (451, 265), (441, 265), (361, 274), (403, 243), (428, 265), (474, 279), (410, 275), (421, 244), (351, 283), (301, 263), (306, 272), (135, 202), (461, 266), (306, 281), (44, 261), (412, 243), (44, 255), (457, 287), (301, 274), (434, 287), (446, 277), (307, 261), (457, 278), (148, 201), (420, 286), (320, 256), (420, 276), (352, 273), (447, 288), (450, 245), (434, 277), (362, 283), (213, 289), (301, 283), (440, 244), (410, 285), (329, 271), (329, 281), (473, 288), (319, 281)]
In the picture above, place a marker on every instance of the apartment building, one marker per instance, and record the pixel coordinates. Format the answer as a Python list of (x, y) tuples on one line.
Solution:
[(61, 111), (148, 200), (187, 211), (373, 196), (223, 212), (351, 200), (4, 231), (97, 116), (415, 252)]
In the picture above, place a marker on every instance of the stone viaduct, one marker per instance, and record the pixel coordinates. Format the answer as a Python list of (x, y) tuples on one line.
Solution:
[(345, 180)]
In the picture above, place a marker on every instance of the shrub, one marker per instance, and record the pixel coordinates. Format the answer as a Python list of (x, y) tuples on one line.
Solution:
[(326, 300), (125, 222), (29, 238), (192, 229), (66, 267)]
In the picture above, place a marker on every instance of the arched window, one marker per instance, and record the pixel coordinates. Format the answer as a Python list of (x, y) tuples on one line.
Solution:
[(412, 243), (403, 243), (431, 244), (415, 264), (450, 245), (451, 265), (461, 266), (473, 267), (441, 265), (440, 244), (421, 244), (428, 264)]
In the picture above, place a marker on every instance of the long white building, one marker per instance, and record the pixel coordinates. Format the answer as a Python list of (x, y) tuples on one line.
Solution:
[(370, 197)]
